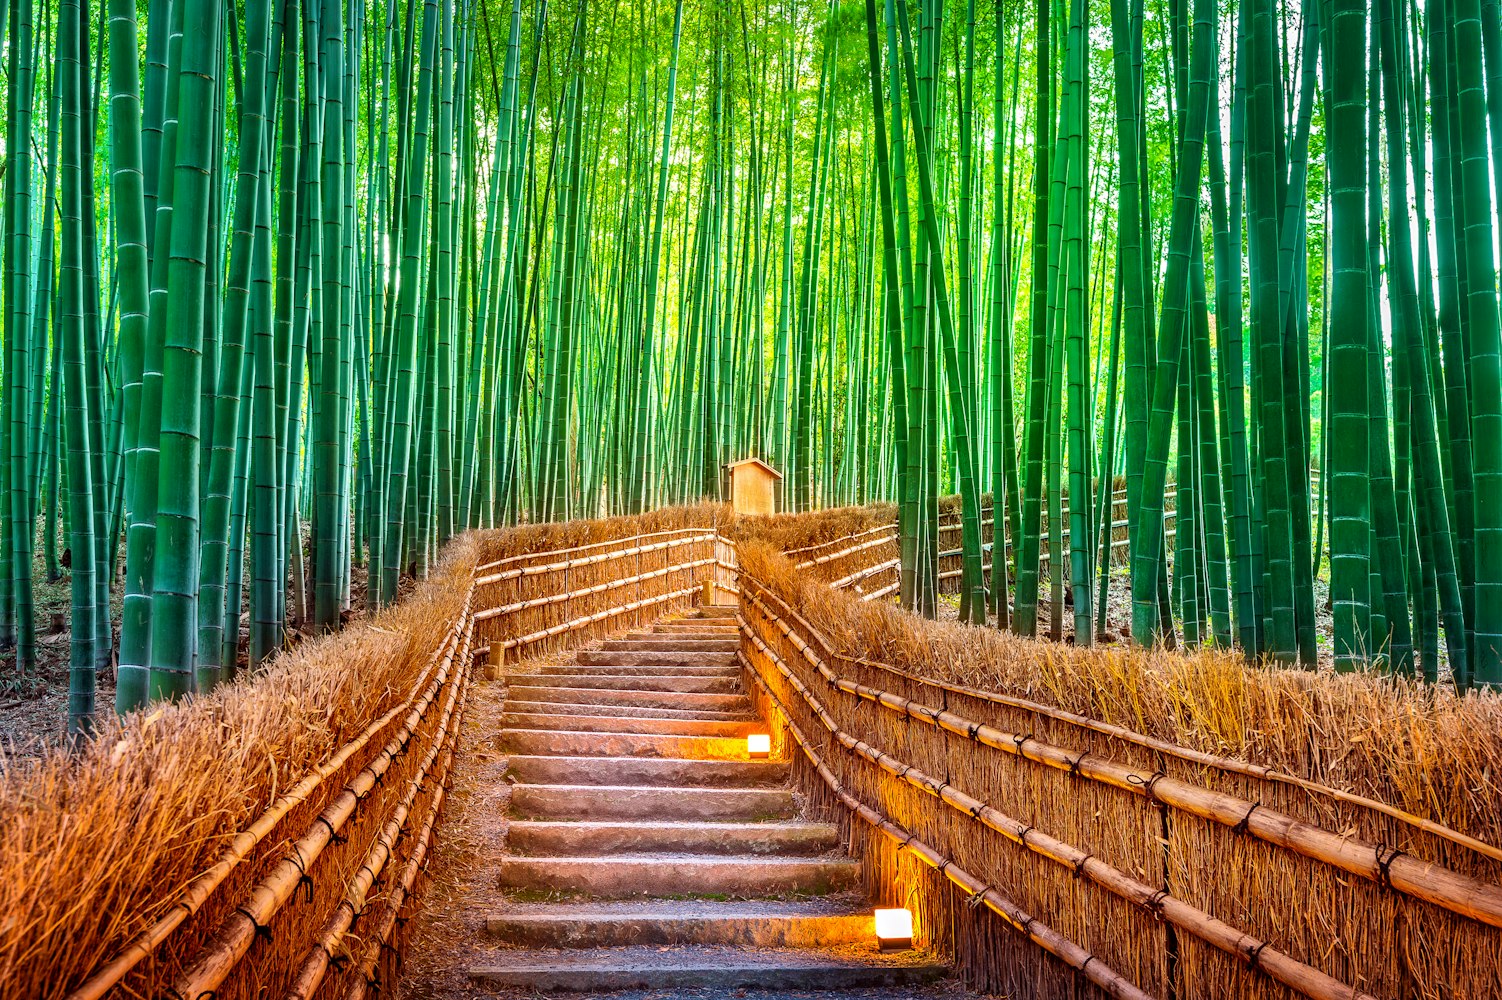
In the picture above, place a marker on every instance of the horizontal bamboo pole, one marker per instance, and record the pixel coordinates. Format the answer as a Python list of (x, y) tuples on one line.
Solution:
[(864, 574), (603, 557), (381, 933), (321, 953), (1241, 767), (237, 933), (832, 556), (599, 588), (843, 539), (526, 640), (198, 891), (1256, 953), (1050, 940), (490, 567), (1227, 764), (889, 589), (1450, 890)]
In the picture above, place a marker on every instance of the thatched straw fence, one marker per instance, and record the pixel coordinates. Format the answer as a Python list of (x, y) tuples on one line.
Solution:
[(1149, 823), (234, 843), (269, 839)]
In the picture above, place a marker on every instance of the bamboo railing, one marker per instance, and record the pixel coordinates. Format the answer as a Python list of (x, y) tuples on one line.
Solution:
[(1179, 873), (376, 798), (539, 602)]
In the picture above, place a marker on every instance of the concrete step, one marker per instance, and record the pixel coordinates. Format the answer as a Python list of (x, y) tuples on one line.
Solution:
[(683, 700), (625, 711), (557, 743), (673, 644), (575, 839), (647, 670), (627, 875), (612, 724), (716, 970), (645, 802), (653, 658), (806, 924), (604, 679), (663, 771)]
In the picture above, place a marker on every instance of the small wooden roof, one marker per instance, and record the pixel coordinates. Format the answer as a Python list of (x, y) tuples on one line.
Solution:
[(753, 461)]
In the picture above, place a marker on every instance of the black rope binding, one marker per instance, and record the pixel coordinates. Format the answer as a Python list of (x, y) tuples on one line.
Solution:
[(1019, 740), (1154, 903), (1240, 828), (1074, 765), (1254, 957), (1384, 864), (262, 931), (1079, 866)]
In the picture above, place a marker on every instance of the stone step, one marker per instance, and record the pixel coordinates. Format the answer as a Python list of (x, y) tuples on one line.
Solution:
[(719, 612), (666, 771), (625, 711), (684, 700), (557, 743), (688, 630), (805, 924), (646, 670), (673, 644), (603, 679), (574, 839), (646, 802), (716, 970), (652, 658), (627, 875), (615, 724)]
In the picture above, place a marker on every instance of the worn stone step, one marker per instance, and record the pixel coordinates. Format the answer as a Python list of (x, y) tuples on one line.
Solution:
[(715, 611), (673, 644), (667, 771), (628, 682), (627, 875), (700, 629), (646, 670), (685, 700), (625, 711), (596, 837), (715, 970), (556, 743), (615, 724), (646, 802), (804, 924), (652, 658)]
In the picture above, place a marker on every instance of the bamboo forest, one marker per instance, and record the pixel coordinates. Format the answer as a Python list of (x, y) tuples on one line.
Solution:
[(1184, 311)]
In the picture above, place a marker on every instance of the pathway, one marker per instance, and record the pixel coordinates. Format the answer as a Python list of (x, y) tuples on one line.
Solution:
[(646, 852)]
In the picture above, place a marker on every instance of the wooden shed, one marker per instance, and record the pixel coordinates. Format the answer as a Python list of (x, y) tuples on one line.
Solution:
[(751, 486)]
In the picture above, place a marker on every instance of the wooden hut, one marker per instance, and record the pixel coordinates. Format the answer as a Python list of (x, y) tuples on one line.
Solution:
[(751, 486)]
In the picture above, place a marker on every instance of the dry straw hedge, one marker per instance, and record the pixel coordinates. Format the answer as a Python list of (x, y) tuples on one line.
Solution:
[(1424, 750), (93, 845)]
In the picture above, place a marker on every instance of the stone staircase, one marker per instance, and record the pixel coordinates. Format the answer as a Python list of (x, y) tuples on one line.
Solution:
[(646, 852)]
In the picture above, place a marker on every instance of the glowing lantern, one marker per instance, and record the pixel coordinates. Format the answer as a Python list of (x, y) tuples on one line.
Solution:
[(759, 746), (894, 929)]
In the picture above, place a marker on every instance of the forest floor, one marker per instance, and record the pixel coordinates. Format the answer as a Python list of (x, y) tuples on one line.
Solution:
[(34, 706)]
